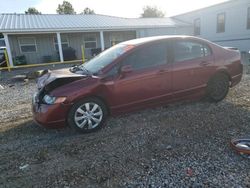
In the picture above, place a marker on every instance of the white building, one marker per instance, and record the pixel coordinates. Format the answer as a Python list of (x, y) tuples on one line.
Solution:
[(227, 24)]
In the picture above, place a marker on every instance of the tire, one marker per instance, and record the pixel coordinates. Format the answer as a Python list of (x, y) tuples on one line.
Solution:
[(218, 87), (87, 115)]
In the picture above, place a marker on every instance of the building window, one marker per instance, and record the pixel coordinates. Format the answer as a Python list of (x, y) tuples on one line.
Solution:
[(114, 42), (2, 43), (90, 42), (197, 26), (27, 44), (248, 18), (221, 23), (64, 41), (116, 39)]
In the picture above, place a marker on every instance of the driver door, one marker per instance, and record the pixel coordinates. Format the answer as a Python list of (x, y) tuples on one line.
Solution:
[(149, 81)]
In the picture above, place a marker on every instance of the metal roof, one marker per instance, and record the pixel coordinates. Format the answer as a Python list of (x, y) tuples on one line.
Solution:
[(55, 22)]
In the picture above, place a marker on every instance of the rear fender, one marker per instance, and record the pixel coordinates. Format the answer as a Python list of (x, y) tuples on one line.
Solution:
[(223, 70)]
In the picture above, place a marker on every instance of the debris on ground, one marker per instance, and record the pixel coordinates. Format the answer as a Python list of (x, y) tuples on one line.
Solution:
[(189, 172), (11, 85), (18, 78), (169, 147), (26, 80), (36, 74), (24, 167), (242, 146)]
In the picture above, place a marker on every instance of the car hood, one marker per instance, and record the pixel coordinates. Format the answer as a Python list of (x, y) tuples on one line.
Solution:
[(57, 77)]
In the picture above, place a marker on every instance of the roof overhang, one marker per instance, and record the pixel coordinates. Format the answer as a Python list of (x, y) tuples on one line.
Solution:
[(80, 30)]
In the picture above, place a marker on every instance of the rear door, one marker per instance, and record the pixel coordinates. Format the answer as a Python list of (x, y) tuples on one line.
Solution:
[(148, 83), (192, 67)]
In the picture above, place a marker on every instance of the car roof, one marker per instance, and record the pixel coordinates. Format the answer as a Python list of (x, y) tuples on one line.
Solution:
[(140, 41)]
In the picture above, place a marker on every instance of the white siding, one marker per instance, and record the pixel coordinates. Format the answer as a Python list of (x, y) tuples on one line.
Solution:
[(236, 33), (164, 31)]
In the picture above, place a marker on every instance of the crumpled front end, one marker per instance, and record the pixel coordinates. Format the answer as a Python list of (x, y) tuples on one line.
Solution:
[(54, 114)]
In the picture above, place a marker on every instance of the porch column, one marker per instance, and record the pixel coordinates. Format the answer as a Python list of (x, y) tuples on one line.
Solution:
[(102, 40), (6, 39), (59, 42)]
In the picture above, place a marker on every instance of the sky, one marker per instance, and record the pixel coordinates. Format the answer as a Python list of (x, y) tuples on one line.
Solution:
[(121, 8)]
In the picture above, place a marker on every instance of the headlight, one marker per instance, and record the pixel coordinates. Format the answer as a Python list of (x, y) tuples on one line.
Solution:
[(49, 99), (53, 100)]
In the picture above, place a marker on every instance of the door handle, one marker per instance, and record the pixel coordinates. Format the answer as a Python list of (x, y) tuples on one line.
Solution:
[(204, 63), (162, 71)]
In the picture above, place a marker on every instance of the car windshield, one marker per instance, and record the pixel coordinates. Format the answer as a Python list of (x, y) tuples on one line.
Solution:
[(94, 65)]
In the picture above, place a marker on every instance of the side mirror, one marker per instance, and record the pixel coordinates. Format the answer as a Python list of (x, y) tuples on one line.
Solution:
[(126, 69)]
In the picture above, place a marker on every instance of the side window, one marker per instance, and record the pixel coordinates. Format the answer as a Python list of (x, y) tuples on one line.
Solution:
[(187, 50), (114, 71), (148, 56)]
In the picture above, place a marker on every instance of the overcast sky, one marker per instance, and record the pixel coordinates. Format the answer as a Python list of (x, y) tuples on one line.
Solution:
[(122, 8)]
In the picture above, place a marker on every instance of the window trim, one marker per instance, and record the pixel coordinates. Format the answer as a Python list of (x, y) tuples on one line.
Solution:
[(248, 18), (20, 45), (195, 20), (56, 43), (90, 35), (217, 23)]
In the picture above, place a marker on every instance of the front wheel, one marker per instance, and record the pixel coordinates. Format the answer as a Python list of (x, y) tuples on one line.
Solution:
[(87, 115), (218, 87)]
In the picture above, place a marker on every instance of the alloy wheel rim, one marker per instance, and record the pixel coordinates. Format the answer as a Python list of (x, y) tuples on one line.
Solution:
[(220, 89), (88, 116)]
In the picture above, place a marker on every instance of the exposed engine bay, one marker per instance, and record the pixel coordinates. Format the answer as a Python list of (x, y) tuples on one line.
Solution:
[(50, 80)]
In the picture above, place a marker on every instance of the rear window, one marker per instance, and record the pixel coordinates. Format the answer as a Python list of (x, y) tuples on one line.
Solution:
[(188, 50)]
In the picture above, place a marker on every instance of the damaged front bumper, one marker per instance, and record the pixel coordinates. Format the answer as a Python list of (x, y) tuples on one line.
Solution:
[(50, 116), (53, 115)]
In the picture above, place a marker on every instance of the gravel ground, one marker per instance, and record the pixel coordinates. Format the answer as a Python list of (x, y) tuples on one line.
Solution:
[(181, 145)]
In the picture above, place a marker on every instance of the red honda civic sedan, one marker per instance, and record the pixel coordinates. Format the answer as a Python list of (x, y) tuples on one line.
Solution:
[(134, 75)]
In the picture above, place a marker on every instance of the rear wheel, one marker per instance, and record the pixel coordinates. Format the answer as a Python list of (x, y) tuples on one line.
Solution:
[(218, 87), (87, 115)]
